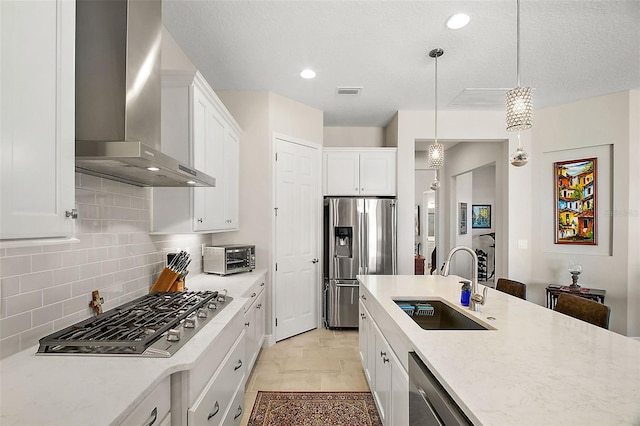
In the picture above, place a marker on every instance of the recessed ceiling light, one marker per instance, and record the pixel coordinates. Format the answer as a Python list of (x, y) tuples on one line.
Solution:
[(153, 169), (308, 74), (458, 21)]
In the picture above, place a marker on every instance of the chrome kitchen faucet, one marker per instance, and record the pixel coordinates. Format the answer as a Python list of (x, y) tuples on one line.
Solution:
[(476, 299)]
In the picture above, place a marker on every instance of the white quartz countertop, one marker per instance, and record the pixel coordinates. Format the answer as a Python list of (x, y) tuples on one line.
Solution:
[(538, 367), (103, 390)]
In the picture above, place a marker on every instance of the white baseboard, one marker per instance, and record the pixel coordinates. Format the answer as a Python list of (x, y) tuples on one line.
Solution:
[(269, 340)]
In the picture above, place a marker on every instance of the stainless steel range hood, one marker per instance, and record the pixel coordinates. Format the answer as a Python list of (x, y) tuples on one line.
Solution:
[(118, 95)]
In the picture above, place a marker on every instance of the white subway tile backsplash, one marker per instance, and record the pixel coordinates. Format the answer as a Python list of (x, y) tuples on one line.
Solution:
[(83, 287), (111, 265), (46, 288), (19, 251), (56, 294), (15, 265), (46, 261), (78, 304), (10, 286), (59, 247), (66, 275), (9, 346), (90, 270), (24, 302), (46, 314), (97, 254), (74, 257), (15, 324), (36, 281), (31, 337)]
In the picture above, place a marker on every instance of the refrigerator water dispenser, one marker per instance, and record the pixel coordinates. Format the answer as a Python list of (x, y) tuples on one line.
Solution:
[(343, 241)]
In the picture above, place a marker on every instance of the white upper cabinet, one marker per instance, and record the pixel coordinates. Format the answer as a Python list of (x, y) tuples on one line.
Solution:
[(37, 119), (360, 172), (198, 130)]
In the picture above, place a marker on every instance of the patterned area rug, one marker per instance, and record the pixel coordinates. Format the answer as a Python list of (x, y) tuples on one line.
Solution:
[(314, 408)]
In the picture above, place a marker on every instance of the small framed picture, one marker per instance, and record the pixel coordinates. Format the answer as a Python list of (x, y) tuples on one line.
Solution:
[(481, 216), (462, 215)]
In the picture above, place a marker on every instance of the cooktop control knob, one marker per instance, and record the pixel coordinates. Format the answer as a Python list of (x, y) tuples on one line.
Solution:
[(173, 335), (202, 313), (222, 295), (190, 322), (212, 306)]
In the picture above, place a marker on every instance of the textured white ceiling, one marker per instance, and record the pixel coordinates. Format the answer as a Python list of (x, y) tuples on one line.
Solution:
[(570, 49)]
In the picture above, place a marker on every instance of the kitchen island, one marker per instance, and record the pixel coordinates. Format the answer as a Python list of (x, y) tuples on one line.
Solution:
[(533, 366), (105, 390)]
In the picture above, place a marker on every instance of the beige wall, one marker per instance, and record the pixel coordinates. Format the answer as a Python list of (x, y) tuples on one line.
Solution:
[(261, 115), (633, 276), (173, 57), (487, 126), (370, 137), (592, 122)]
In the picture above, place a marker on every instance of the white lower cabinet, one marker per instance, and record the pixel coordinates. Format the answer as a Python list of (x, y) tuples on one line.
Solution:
[(154, 409), (215, 403), (254, 321), (388, 380)]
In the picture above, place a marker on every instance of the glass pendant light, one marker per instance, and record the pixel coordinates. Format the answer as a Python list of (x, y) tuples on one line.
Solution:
[(519, 104), (436, 150), (520, 157)]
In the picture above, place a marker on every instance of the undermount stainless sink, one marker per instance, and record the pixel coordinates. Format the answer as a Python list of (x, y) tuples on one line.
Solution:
[(437, 315)]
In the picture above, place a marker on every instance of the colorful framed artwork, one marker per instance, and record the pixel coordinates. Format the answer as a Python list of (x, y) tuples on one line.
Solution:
[(576, 183), (481, 216), (462, 215)]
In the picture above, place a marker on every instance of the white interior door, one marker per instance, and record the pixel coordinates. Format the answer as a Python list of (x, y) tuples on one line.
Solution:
[(297, 198)]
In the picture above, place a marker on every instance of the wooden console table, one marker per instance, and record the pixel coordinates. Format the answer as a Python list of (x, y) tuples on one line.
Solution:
[(588, 293)]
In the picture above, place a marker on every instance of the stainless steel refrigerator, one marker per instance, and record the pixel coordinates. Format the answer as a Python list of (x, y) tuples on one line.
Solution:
[(359, 239)]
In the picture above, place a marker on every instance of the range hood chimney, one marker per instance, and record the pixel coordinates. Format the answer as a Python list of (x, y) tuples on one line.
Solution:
[(118, 93)]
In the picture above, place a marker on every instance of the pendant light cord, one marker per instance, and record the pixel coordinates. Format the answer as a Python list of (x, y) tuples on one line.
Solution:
[(517, 41), (436, 101)]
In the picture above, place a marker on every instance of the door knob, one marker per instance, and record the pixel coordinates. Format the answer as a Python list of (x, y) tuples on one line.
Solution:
[(316, 260)]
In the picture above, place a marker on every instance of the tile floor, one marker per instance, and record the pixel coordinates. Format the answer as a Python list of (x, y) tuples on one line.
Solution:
[(318, 360)]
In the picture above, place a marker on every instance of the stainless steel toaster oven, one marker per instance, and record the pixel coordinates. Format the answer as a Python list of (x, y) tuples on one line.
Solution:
[(229, 259)]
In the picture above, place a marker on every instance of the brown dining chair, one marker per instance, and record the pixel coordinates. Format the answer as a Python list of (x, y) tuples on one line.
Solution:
[(511, 287), (584, 309)]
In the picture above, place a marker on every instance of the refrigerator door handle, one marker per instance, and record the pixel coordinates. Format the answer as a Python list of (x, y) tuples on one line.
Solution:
[(394, 242), (365, 242), (338, 284), (361, 245)]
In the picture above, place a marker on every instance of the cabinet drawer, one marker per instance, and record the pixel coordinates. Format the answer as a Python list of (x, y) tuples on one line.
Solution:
[(253, 293), (199, 376), (214, 401), (236, 409), (154, 408)]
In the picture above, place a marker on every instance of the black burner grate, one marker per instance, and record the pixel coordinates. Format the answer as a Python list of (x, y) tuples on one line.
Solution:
[(130, 328)]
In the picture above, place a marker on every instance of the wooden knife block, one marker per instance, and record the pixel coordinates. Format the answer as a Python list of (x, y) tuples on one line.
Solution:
[(166, 281)]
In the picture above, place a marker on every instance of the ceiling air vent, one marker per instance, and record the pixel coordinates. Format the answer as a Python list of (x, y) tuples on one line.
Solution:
[(349, 90), (480, 98)]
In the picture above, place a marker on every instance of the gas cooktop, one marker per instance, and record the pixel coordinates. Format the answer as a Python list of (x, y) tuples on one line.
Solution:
[(155, 325)]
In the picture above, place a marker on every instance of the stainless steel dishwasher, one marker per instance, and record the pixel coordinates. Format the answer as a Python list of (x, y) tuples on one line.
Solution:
[(429, 402)]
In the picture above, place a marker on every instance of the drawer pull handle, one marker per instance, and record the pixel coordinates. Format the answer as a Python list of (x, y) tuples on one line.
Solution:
[(238, 366), (383, 354), (253, 295), (239, 413), (216, 408), (152, 418), (261, 284), (246, 324), (259, 306)]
